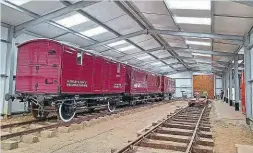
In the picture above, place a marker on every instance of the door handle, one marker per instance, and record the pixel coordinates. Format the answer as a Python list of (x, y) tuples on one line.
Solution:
[(46, 82)]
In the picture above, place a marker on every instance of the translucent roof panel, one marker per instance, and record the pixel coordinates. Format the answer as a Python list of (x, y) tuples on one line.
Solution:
[(72, 20), (193, 20), (40, 7), (94, 31), (189, 5)]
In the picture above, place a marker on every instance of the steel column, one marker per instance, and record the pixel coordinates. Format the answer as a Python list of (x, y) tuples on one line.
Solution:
[(9, 70), (248, 75), (236, 81), (223, 86), (226, 86), (230, 86)]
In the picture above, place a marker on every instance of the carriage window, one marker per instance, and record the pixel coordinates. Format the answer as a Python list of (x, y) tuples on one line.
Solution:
[(118, 68), (79, 59)]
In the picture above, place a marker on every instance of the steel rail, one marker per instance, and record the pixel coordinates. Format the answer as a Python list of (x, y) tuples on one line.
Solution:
[(140, 138), (25, 122), (189, 147)]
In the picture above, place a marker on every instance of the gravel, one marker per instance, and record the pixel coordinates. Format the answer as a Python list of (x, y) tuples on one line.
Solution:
[(103, 137)]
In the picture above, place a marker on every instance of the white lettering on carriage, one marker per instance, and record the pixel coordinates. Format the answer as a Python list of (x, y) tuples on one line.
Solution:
[(117, 85), (76, 83)]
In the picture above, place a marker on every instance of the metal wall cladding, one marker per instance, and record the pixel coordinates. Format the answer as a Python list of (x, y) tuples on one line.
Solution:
[(202, 83)]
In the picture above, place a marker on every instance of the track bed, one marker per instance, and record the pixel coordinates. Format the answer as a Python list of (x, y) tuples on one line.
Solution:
[(187, 130)]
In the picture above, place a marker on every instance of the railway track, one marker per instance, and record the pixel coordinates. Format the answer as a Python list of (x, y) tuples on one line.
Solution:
[(186, 131), (28, 127)]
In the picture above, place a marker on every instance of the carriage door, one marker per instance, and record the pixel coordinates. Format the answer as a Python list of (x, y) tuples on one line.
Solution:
[(48, 66), (97, 74), (106, 76)]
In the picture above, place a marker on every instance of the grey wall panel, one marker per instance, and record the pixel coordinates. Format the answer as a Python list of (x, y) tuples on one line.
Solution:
[(4, 33), (2, 71), (183, 83), (218, 83)]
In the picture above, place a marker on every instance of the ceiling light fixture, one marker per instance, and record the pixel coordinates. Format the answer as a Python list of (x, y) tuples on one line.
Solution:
[(126, 48), (156, 63), (19, 2), (72, 20), (143, 57), (193, 20), (198, 43), (117, 43), (94, 31), (189, 5), (240, 61), (198, 54)]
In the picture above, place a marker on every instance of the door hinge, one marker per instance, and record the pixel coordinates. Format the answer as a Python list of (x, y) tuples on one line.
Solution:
[(36, 86), (37, 69)]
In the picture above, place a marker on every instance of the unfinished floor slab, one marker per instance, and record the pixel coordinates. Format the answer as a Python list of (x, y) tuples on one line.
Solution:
[(229, 128)]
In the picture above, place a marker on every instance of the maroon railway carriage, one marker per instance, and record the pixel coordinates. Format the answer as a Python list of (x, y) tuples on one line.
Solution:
[(142, 86), (52, 76)]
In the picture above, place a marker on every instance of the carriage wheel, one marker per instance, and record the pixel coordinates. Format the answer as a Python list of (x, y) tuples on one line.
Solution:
[(111, 105), (38, 114), (66, 111), (133, 103)]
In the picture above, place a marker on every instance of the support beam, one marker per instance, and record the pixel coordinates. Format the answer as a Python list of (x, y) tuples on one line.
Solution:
[(223, 86), (175, 33), (54, 14), (5, 25), (230, 85), (227, 86), (248, 77), (66, 3), (130, 9), (236, 81), (217, 53), (238, 40), (134, 34)]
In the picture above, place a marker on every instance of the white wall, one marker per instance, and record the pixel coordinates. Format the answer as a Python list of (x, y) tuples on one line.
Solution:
[(183, 83), (4, 36), (218, 85)]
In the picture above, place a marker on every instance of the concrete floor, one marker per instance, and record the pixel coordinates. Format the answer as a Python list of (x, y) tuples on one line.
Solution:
[(229, 128)]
